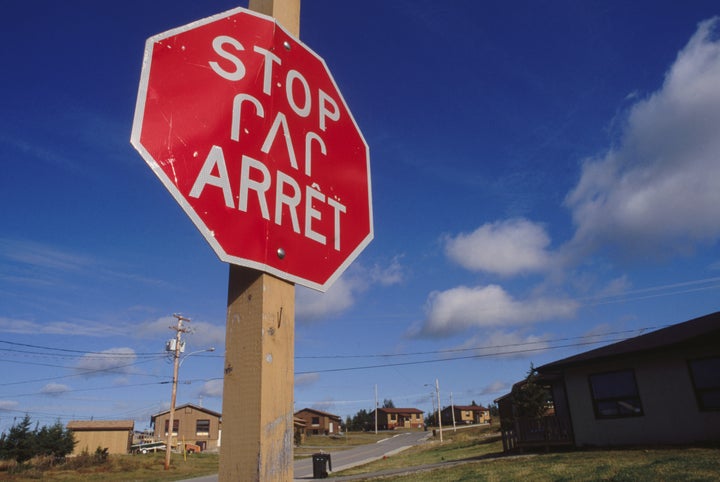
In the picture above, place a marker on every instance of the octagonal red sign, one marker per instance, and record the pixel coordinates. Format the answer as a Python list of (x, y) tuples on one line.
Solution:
[(246, 128)]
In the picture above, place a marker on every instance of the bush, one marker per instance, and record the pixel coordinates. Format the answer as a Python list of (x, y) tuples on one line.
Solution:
[(86, 459)]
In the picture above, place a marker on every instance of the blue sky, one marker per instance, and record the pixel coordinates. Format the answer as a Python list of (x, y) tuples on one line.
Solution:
[(545, 180)]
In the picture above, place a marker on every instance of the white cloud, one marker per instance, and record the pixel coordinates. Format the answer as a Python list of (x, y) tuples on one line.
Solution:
[(325, 405), (497, 387), (202, 334), (43, 256), (312, 305), (14, 325), (658, 189), (306, 379), (54, 389), (212, 389), (462, 308), (8, 405), (206, 335), (389, 275), (504, 247), (511, 344), (114, 361)]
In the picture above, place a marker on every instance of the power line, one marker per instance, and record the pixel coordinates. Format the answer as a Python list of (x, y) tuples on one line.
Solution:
[(468, 357), (77, 352), (486, 347), (76, 390), (83, 373)]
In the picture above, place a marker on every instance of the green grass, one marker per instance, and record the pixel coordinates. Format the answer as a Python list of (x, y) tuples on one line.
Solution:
[(476, 455), (618, 465), (463, 444)]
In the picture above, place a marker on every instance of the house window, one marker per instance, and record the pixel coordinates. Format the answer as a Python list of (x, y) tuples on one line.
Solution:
[(202, 428), (316, 420), (615, 394), (176, 426), (705, 374)]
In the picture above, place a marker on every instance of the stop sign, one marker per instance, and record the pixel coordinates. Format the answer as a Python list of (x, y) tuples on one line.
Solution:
[(246, 128)]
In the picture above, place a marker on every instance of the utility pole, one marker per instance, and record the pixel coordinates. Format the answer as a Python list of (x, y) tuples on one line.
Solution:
[(437, 390), (452, 407), (176, 346), (376, 409)]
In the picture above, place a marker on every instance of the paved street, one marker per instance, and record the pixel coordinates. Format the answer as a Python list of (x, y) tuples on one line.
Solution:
[(344, 459)]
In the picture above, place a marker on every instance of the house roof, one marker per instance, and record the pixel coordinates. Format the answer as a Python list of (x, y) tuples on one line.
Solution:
[(399, 410), (469, 408), (697, 329), (319, 412), (179, 407), (78, 425)]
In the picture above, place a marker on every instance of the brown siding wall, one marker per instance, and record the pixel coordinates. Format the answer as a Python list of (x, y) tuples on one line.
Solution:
[(188, 417), (325, 425), (116, 441)]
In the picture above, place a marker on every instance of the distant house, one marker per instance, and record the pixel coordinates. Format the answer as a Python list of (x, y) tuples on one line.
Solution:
[(299, 430), (465, 415), (193, 424), (114, 435), (318, 422), (394, 418), (659, 388)]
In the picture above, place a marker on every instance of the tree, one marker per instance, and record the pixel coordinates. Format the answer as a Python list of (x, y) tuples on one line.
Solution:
[(363, 420), (388, 403), (19, 444), (494, 410), (530, 398), (55, 440)]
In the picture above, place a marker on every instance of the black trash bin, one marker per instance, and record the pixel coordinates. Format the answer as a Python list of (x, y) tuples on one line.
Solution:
[(321, 465)]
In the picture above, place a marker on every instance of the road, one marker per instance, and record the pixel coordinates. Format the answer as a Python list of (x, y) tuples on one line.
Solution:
[(344, 459)]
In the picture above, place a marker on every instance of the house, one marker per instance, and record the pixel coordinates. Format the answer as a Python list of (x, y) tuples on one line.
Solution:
[(465, 415), (192, 424), (114, 435), (662, 387), (394, 418), (318, 422)]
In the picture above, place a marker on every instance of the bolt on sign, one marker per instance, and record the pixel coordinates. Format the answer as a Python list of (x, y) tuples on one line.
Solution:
[(246, 128)]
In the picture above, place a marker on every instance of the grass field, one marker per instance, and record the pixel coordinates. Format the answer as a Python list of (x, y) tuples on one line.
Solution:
[(466, 455), (476, 455), (146, 468), (693, 464)]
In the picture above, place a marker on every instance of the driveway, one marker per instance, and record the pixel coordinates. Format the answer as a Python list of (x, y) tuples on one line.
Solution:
[(345, 459)]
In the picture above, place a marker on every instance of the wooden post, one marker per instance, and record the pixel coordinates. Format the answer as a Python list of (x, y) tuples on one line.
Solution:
[(257, 423), (257, 412), (286, 12)]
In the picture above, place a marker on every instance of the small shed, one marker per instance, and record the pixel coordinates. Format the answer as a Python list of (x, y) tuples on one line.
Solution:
[(114, 435)]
